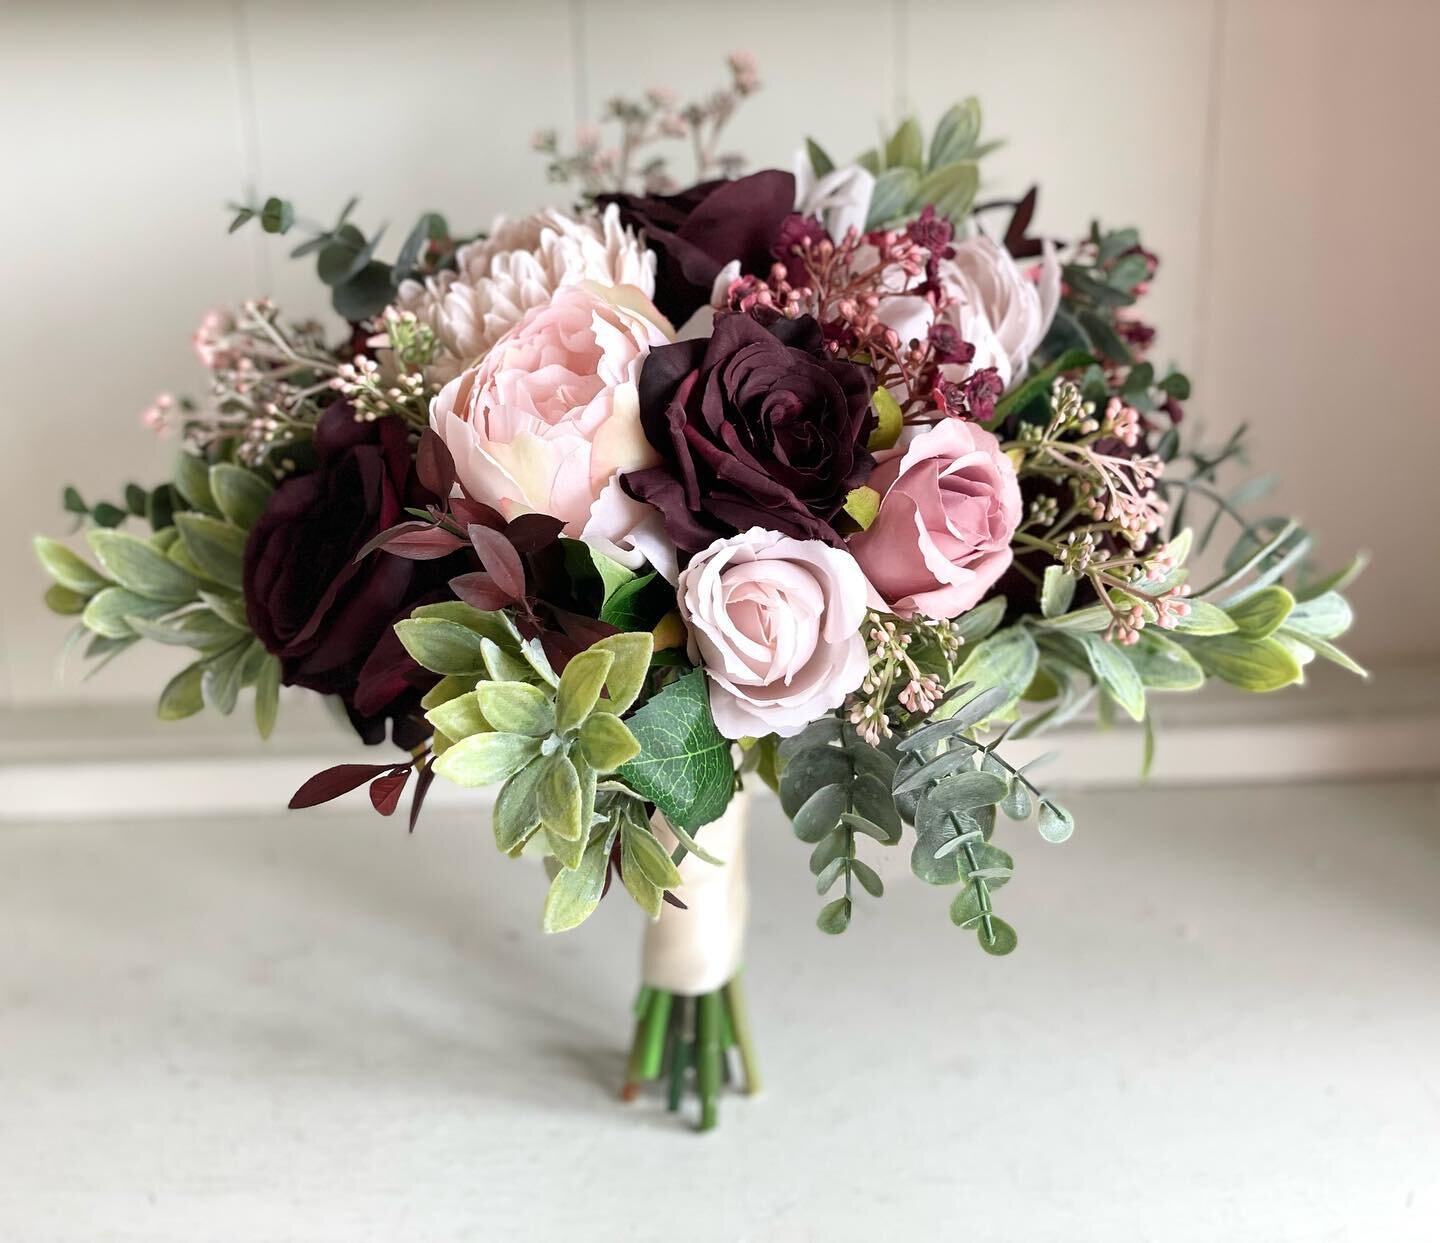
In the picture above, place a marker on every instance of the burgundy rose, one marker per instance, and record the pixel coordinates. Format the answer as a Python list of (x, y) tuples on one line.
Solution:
[(697, 232), (327, 616), (757, 426)]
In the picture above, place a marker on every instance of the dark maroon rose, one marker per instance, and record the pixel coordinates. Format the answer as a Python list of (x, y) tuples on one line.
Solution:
[(327, 616), (757, 426), (697, 232)]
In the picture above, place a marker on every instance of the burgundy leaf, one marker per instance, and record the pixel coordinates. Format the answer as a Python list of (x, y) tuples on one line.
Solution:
[(422, 788), (385, 791), (673, 900), (532, 532), (434, 464), (1016, 242), (498, 556), (427, 545), (479, 591), (334, 782), (417, 541), (476, 513)]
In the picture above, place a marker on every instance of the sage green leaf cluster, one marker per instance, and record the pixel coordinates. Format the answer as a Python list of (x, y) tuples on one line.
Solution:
[(948, 785), (908, 176), (180, 585), (502, 716), (835, 787)]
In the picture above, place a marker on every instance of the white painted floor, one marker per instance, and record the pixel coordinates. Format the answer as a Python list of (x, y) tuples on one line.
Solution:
[(1222, 1023)]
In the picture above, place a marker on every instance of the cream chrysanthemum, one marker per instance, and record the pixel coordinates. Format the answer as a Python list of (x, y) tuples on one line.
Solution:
[(519, 267)]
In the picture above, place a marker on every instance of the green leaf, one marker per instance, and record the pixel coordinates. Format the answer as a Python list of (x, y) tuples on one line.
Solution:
[(862, 504), (1116, 674), (580, 687), (559, 794), (651, 857), (868, 877), (459, 716), (1000, 937), (517, 807), (894, 192), (267, 695), (65, 602), (820, 813), (684, 765), (66, 568), (834, 917), (906, 147), (584, 562), (951, 190), (981, 621), (638, 604), (1337, 581), (108, 611), (575, 892), (1007, 658), (216, 547), (1263, 665), (1019, 398), (192, 481), (241, 494), (1205, 618), (1163, 665), (1261, 614), (1055, 822), (514, 708), (956, 134), (484, 759), (820, 162), (889, 421), (626, 677), (220, 678), (198, 628), (1056, 591), (276, 216), (606, 743), (1326, 616), (182, 695), (132, 563), (365, 294), (441, 646)]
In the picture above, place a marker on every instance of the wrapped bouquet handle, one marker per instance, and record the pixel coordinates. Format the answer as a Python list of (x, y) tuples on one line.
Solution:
[(691, 1017)]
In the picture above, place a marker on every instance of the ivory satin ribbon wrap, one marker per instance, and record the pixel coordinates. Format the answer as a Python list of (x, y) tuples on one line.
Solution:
[(699, 949)]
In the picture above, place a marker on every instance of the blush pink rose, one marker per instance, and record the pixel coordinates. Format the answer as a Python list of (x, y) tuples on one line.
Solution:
[(546, 420), (775, 622), (949, 503)]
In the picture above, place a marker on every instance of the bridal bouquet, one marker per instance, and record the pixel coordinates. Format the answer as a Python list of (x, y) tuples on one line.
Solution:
[(830, 480)]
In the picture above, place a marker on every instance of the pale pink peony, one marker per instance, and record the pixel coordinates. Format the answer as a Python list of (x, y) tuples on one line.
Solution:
[(551, 414), (517, 268), (775, 622), (949, 504), (994, 306)]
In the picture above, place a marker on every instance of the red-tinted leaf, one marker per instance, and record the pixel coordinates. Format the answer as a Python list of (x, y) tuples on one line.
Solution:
[(334, 782), (673, 900), (1016, 242), (417, 541), (422, 788), (498, 556), (532, 532), (475, 513), (385, 791), (480, 591), (434, 464)]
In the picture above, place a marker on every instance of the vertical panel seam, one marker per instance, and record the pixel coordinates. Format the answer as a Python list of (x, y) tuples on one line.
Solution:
[(249, 132), (1210, 168)]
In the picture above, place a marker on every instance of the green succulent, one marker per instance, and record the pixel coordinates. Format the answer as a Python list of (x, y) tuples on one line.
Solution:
[(180, 585)]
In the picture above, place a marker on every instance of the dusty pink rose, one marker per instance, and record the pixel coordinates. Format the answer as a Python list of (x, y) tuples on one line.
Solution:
[(775, 621), (949, 505), (545, 421)]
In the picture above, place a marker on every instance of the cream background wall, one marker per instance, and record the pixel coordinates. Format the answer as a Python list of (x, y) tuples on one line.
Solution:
[(1278, 154)]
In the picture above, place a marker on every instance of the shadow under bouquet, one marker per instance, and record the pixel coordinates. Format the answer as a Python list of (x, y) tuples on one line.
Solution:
[(830, 480)]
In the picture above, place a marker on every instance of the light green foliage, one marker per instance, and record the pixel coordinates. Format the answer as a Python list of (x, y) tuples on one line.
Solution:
[(684, 765), (180, 585), (548, 742), (835, 787)]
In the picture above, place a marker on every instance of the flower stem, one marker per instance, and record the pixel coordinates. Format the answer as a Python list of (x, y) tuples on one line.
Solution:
[(740, 1022)]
